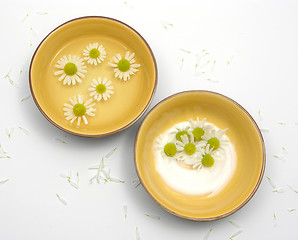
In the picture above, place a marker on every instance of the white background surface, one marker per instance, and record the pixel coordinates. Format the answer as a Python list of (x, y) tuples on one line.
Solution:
[(255, 48)]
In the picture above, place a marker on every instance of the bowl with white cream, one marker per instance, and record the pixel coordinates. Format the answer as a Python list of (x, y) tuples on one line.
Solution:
[(199, 155)]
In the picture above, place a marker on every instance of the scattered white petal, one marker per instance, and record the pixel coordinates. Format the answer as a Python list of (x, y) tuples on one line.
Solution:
[(183, 50), (25, 17), (207, 234), (273, 185), (125, 211), (109, 154), (153, 216), (3, 153), (279, 190), (260, 116), (25, 98), (166, 24), (4, 181), (293, 189), (60, 140), (284, 149), (230, 60), (62, 200), (274, 220), (264, 130), (74, 185), (138, 237), (236, 234), (24, 130), (116, 180), (282, 158), (205, 64), (181, 63), (102, 174), (77, 178), (8, 77), (63, 175), (128, 5), (9, 131), (210, 80), (234, 224), (213, 66), (136, 183)]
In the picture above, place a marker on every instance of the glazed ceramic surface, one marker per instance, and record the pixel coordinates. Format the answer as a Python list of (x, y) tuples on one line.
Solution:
[(243, 133), (130, 99)]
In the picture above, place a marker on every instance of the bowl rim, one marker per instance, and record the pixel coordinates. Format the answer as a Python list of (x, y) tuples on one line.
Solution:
[(103, 134), (260, 176)]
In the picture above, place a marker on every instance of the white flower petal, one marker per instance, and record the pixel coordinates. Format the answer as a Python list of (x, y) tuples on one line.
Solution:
[(118, 56), (85, 120), (129, 58), (62, 77), (79, 121), (73, 119), (87, 103)]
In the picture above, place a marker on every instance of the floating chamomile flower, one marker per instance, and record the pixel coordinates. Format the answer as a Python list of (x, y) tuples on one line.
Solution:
[(72, 69), (94, 53), (78, 109), (180, 131), (124, 67), (206, 159), (166, 146), (187, 149), (101, 89), (187, 144), (170, 149), (198, 128), (215, 139)]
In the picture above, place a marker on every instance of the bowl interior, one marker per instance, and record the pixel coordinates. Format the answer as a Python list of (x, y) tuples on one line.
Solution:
[(130, 99), (243, 133)]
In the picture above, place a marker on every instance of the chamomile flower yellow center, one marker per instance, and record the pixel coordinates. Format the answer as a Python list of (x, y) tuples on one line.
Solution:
[(94, 53), (213, 143), (101, 88), (79, 109), (189, 148), (179, 134), (170, 149), (70, 69), (123, 65), (208, 160), (198, 133)]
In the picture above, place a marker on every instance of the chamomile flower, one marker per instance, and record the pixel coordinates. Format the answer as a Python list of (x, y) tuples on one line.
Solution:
[(166, 146), (78, 109), (187, 149), (207, 158), (94, 53), (215, 139), (178, 132), (198, 128), (72, 69), (101, 89), (124, 67)]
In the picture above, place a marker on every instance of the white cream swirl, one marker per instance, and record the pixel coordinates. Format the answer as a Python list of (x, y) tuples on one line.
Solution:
[(186, 180)]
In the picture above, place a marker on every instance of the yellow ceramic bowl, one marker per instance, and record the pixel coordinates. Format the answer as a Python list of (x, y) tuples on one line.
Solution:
[(131, 98), (243, 133)]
